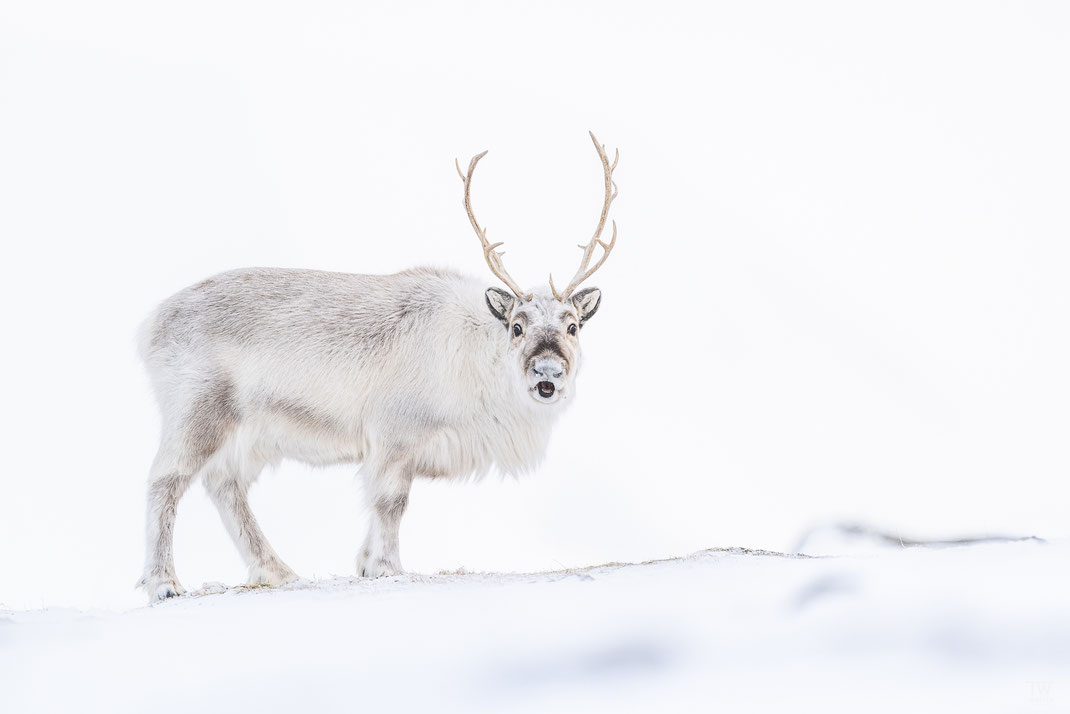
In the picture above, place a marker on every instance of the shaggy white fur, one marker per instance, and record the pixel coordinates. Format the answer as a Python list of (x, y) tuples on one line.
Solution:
[(422, 373)]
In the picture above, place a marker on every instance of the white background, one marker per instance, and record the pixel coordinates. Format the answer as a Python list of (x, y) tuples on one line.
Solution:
[(840, 288)]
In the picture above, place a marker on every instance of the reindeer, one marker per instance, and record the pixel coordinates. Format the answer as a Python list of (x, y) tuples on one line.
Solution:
[(423, 373)]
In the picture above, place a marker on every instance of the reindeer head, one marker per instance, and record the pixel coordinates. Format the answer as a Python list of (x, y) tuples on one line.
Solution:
[(543, 324)]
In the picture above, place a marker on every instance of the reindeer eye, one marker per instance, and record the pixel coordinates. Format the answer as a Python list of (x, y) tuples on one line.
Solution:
[(517, 330), (572, 329)]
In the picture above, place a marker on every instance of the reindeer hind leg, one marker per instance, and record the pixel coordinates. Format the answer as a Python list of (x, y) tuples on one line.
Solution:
[(187, 445), (229, 490)]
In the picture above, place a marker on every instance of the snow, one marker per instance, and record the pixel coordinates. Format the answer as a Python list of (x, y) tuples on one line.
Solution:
[(972, 628)]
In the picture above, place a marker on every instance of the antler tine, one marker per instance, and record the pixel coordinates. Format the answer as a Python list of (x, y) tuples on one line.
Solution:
[(493, 258), (596, 240)]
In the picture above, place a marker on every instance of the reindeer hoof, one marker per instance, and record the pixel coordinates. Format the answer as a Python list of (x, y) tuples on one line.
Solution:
[(161, 588), (271, 574), (377, 568)]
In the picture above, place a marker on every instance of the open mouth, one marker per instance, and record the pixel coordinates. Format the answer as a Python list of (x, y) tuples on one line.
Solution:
[(546, 389)]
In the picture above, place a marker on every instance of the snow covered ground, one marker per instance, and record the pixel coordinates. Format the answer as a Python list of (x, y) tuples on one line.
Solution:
[(979, 628)]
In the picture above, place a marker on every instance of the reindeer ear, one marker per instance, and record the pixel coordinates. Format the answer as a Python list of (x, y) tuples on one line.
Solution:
[(500, 304), (587, 302)]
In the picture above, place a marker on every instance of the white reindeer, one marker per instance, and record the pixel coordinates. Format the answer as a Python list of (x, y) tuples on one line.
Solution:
[(421, 373)]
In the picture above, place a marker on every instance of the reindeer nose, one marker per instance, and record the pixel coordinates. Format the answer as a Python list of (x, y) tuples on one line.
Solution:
[(547, 370)]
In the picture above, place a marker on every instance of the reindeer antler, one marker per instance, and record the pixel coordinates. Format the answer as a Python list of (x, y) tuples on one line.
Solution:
[(493, 258), (588, 250)]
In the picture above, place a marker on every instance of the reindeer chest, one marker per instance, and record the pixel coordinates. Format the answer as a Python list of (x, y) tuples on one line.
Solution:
[(473, 448)]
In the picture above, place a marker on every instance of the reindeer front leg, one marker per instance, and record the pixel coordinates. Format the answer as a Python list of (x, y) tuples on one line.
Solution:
[(387, 493)]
